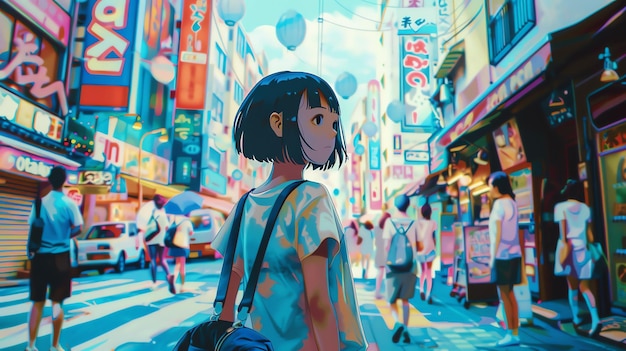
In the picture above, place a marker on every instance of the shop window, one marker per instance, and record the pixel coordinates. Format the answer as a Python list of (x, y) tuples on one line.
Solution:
[(238, 93), (38, 78), (221, 59), (217, 109), (241, 43), (509, 22)]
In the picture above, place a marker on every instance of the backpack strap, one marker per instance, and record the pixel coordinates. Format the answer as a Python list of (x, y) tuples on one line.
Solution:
[(404, 230), (38, 207)]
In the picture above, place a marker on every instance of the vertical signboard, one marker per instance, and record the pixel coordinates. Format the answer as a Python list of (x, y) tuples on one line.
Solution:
[(109, 42), (372, 110), (357, 192), (415, 85), (193, 54), (187, 148)]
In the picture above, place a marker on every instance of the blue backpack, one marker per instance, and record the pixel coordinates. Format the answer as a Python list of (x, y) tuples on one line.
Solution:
[(400, 255)]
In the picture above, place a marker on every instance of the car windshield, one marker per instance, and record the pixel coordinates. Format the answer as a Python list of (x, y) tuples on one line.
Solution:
[(200, 223), (106, 231)]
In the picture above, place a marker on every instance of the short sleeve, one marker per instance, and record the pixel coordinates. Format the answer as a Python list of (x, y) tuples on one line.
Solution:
[(220, 243), (143, 216), (317, 221), (588, 213), (77, 217), (497, 212), (558, 213), (387, 230)]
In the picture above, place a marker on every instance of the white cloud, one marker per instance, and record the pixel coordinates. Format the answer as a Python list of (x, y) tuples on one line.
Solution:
[(343, 50)]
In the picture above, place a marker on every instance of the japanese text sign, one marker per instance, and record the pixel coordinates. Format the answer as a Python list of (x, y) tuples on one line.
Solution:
[(194, 52), (187, 148), (415, 75)]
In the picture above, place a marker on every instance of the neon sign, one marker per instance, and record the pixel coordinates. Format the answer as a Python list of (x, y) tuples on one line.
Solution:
[(41, 87), (106, 55)]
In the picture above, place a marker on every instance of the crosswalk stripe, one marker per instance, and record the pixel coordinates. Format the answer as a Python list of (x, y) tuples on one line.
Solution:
[(135, 331), (17, 334), (25, 307), (416, 319), (75, 288)]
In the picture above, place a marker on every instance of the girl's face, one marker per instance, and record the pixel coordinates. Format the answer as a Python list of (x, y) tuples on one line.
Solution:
[(494, 193), (318, 130)]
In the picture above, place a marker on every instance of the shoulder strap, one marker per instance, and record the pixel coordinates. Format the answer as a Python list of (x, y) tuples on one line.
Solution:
[(38, 207), (229, 255)]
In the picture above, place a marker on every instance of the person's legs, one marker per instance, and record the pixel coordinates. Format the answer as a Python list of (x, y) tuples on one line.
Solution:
[(366, 265), (405, 311), (160, 255), (152, 251), (183, 264), (422, 280), (429, 279), (572, 297), (591, 304), (57, 322), (510, 310), (34, 319), (379, 282)]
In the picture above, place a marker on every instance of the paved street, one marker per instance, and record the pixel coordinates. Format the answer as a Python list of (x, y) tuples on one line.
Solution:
[(121, 312)]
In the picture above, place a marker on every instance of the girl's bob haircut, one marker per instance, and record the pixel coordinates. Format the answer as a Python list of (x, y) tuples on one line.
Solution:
[(281, 92)]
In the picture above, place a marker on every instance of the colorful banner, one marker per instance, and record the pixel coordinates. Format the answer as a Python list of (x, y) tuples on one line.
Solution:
[(375, 187), (415, 87), (48, 15), (29, 116), (357, 192), (372, 111), (187, 149), (109, 42), (613, 138), (193, 54)]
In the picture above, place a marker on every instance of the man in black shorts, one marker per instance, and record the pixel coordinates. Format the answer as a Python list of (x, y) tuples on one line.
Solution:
[(50, 266)]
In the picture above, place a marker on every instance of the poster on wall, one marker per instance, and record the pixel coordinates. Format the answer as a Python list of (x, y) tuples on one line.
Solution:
[(477, 254), (522, 184), (509, 145)]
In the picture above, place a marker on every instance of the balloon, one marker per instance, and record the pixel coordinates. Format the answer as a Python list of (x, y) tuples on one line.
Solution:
[(231, 11), (237, 175), (370, 129), (290, 29), (345, 85), (336, 192), (396, 111), (359, 149), (352, 200), (162, 69)]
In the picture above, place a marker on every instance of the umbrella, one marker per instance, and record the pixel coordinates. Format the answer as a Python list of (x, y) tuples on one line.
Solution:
[(183, 203)]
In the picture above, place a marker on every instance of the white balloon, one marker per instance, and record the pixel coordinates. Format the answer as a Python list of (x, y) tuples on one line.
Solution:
[(370, 129)]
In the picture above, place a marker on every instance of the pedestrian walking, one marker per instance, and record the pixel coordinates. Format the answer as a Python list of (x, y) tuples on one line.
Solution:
[(353, 242), (426, 251), (152, 223), (366, 232), (380, 257), (576, 235), (51, 267), (506, 252), (400, 282), (180, 249), (305, 296)]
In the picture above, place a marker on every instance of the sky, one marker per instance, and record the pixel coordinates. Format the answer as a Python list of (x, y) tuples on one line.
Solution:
[(349, 40)]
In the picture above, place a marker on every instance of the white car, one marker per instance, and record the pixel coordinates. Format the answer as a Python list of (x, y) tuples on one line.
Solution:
[(206, 223), (111, 244)]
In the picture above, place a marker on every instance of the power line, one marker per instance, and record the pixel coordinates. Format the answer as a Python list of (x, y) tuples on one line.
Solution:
[(357, 29), (354, 13)]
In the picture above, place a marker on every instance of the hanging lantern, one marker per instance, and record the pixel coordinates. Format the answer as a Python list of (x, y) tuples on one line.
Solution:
[(237, 174), (345, 85), (162, 69), (290, 29), (231, 11), (359, 150), (370, 129), (396, 111)]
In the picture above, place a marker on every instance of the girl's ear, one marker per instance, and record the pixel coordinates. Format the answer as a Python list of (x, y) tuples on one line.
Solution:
[(276, 122)]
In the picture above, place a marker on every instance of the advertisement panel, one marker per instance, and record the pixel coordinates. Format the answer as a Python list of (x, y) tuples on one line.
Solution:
[(48, 15), (357, 193), (187, 148), (153, 167), (193, 54), (477, 254), (375, 190), (417, 20), (29, 116), (415, 87), (509, 145), (109, 42)]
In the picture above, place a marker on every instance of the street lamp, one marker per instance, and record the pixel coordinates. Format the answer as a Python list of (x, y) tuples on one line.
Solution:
[(163, 138)]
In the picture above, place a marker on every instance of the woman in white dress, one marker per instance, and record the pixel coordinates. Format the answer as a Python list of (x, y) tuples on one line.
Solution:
[(426, 251), (366, 232), (574, 218)]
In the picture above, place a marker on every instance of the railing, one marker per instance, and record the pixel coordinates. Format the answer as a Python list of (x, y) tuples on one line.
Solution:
[(510, 24)]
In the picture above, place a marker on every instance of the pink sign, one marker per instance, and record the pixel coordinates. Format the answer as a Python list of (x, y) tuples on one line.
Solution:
[(48, 15), (376, 190)]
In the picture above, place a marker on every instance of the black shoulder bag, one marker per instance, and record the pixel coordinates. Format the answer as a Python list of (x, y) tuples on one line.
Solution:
[(220, 335), (36, 231)]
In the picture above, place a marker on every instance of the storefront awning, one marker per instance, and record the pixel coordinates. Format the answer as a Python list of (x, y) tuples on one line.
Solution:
[(450, 60), (34, 150), (151, 188), (432, 184)]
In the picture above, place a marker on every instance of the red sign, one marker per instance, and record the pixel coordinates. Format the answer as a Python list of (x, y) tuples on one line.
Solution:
[(194, 53), (526, 72)]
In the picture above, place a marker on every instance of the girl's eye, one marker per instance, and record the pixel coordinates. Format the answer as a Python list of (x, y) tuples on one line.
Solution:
[(335, 125), (317, 120)]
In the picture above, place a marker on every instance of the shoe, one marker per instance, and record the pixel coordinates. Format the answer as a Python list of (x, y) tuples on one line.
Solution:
[(406, 337), (422, 296), (58, 348), (396, 335), (430, 300), (595, 331), (170, 281), (28, 348), (509, 340)]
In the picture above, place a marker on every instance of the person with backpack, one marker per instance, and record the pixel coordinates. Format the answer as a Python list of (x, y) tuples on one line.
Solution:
[(400, 234), (426, 251), (178, 240)]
